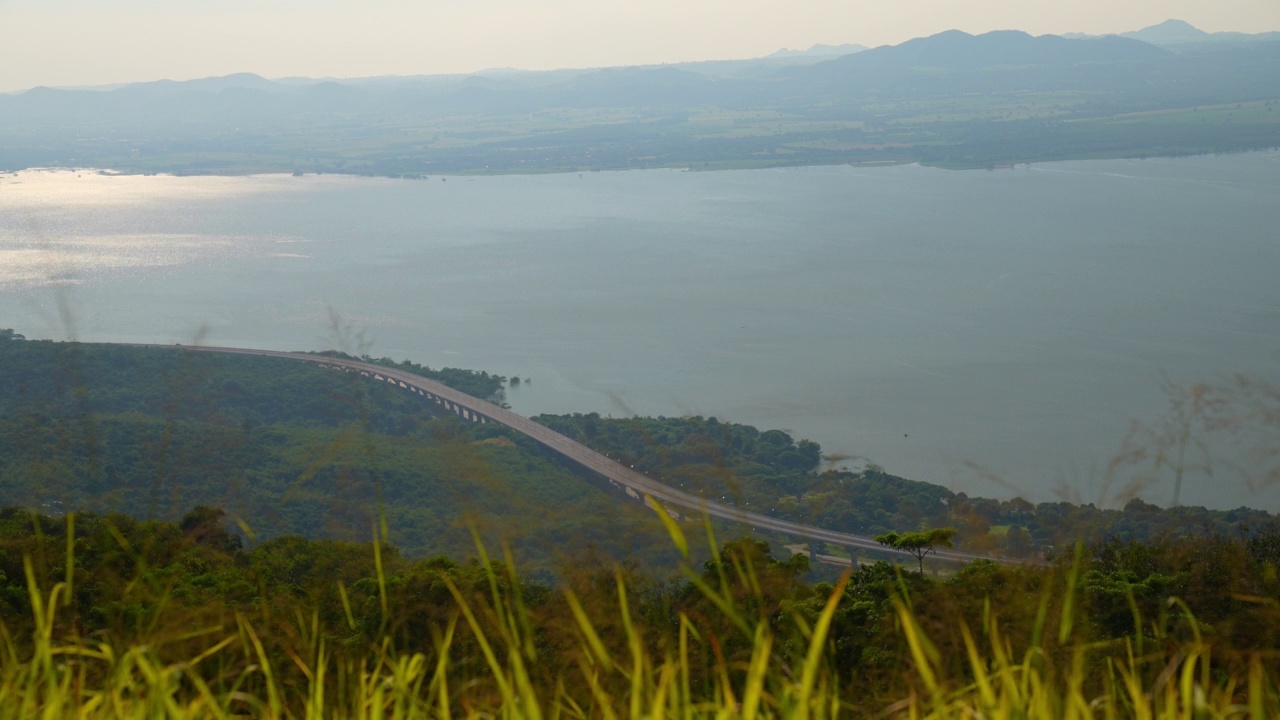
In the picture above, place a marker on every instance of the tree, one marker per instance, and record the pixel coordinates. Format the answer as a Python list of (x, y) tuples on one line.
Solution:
[(204, 526), (1018, 542), (811, 452), (919, 543)]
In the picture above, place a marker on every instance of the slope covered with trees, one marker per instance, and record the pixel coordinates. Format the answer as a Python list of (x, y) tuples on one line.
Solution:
[(773, 473), (286, 448)]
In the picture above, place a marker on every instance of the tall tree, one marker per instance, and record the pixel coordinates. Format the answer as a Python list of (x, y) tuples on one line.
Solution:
[(919, 543)]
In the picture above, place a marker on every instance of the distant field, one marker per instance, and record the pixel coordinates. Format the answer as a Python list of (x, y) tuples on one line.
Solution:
[(988, 118)]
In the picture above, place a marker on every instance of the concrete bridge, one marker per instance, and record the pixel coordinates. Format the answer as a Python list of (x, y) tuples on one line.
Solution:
[(633, 483)]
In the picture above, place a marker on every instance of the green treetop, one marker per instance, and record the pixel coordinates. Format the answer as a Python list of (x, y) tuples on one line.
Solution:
[(919, 543)]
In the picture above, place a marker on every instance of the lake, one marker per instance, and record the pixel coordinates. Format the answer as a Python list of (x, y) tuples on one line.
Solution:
[(994, 332)]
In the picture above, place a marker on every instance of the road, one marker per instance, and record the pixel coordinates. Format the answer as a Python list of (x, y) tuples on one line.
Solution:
[(598, 462)]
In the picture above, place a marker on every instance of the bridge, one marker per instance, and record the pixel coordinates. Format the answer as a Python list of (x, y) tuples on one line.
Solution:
[(636, 484)]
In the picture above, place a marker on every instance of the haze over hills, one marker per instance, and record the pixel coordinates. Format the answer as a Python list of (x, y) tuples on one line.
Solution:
[(951, 99), (818, 50), (1177, 33)]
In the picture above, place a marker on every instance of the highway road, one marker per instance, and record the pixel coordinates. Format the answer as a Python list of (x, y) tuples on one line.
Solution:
[(480, 410)]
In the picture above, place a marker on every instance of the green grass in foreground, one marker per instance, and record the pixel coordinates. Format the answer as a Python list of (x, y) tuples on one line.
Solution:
[(488, 661)]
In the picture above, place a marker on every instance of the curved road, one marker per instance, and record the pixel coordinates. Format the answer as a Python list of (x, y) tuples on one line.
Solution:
[(479, 410)]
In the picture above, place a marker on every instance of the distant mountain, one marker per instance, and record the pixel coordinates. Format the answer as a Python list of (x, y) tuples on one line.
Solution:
[(952, 98), (209, 84), (956, 50), (818, 51), (1171, 32), (957, 62), (1179, 32)]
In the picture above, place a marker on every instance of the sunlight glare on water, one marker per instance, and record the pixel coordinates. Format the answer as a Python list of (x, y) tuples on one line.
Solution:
[(46, 212), (55, 188)]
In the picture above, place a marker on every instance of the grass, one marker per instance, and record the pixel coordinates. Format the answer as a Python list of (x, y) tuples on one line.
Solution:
[(229, 671)]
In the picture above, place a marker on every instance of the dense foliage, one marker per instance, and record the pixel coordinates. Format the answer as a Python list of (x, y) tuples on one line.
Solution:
[(282, 604), (286, 448), (176, 591), (475, 383), (772, 473)]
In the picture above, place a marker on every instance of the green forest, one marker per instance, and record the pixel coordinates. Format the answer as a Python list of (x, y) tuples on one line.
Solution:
[(191, 534), (286, 448), (773, 473), (302, 628), (289, 448)]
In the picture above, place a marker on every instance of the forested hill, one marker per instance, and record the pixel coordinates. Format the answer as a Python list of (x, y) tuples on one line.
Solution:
[(772, 473), (287, 447)]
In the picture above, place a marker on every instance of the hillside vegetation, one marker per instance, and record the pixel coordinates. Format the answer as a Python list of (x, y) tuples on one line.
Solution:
[(773, 473), (287, 448), (106, 616), (290, 448), (254, 536)]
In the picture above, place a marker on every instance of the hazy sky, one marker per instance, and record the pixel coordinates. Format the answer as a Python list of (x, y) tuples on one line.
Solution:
[(74, 42)]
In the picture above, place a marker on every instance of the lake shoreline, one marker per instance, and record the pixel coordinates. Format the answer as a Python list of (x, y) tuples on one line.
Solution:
[(271, 170)]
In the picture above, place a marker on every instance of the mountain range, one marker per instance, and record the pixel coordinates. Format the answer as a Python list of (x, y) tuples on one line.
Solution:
[(1176, 33), (950, 98)]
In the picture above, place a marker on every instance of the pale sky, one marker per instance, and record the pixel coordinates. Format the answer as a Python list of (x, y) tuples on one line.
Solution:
[(86, 42)]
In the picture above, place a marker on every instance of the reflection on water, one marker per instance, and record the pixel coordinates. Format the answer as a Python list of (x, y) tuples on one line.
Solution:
[(75, 260), (56, 188), (45, 214)]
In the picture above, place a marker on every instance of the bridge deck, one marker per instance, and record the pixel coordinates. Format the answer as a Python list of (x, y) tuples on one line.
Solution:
[(591, 459)]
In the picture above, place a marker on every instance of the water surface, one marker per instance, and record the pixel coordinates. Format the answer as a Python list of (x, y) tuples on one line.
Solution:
[(949, 326)]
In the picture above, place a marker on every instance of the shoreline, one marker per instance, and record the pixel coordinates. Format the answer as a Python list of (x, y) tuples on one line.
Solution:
[(268, 170)]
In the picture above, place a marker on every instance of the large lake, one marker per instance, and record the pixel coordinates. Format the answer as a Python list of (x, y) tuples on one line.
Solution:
[(949, 326)]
